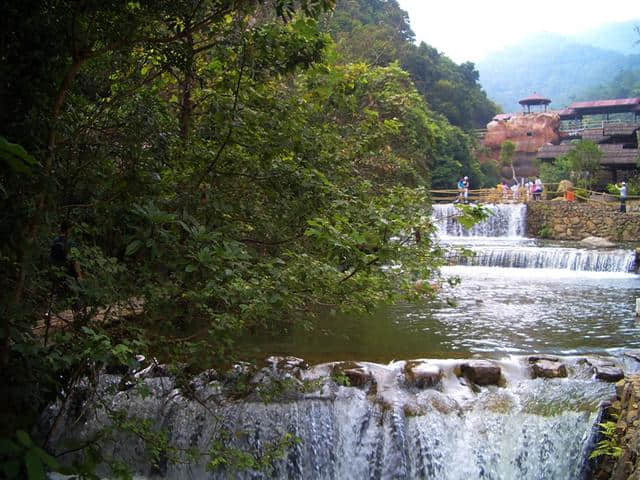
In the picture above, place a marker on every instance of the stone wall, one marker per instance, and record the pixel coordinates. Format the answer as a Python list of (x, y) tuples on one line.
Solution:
[(624, 411), (560, 220)]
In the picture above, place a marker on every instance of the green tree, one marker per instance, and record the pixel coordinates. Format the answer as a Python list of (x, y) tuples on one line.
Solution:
[(507, 152), (584, 159)]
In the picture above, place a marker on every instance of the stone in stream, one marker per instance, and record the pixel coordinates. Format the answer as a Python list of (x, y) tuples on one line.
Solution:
[(481, 372), (609, 373), (547, 367), (356, 374), (606, 370), (422, 375), (597, 242)]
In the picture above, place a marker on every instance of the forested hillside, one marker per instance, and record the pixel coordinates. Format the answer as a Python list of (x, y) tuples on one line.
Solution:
[(227, 166), (557, 67), (625, 84), (378, 32)]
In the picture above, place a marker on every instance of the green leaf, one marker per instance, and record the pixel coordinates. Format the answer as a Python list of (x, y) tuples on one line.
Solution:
[(24, 438), (133, 247), (35, 470), (46, 458), (16, 157)]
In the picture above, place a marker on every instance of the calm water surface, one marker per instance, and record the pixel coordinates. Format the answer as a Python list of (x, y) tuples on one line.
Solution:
[(492, 311)]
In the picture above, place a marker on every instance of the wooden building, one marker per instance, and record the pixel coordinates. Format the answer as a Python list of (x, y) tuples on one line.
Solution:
[(612, 124)]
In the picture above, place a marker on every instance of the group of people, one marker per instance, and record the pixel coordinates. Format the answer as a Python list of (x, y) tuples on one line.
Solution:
[(532, 189)]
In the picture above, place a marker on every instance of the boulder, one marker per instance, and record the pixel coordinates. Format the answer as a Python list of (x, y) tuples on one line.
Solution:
[(358, 377), (357, 374), (481, 372), (422, 375), (606, 370), (609, 373), (545, 368), (597, 242)]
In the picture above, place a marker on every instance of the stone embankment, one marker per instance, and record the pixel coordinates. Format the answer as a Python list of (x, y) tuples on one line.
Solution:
[(560, 220), (625, 411)]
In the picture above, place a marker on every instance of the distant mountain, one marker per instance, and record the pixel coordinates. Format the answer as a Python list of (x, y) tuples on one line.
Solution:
[(620, 37), (558, 67)]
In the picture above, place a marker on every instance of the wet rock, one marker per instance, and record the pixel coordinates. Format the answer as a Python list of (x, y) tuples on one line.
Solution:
[(291, 365), (609, 373), (536, 358), (634, 354), (422, 375), (358, 377), (481, 372), (605, 369), (352, 374), (597, 242), (547, 368)]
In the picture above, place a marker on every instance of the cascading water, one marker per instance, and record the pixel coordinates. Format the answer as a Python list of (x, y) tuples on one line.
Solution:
[(500, 241), (387, 428), (504, 221)]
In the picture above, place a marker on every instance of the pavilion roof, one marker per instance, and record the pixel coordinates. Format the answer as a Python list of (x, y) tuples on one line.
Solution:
[(534, 99)]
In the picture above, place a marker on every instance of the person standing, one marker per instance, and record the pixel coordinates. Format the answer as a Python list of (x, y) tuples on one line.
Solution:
[(460, 190), (466, 189), (538, 189), (623, 197)]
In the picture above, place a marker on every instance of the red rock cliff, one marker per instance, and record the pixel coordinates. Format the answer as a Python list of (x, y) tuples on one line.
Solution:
[(529, 132)]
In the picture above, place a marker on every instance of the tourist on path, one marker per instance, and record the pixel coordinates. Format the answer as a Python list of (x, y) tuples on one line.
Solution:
[(623, 197), (466, 189), (537, 193), (460, 190)]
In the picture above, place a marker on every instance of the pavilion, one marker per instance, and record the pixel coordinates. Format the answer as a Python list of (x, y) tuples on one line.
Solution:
[(533, 100)]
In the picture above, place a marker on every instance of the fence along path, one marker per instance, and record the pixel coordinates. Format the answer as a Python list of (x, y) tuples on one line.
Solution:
[(522, 195)]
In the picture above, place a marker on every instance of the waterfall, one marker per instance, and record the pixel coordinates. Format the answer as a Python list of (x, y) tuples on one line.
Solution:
[(504, 221), (548, 257), (388, 428), (500, 241)]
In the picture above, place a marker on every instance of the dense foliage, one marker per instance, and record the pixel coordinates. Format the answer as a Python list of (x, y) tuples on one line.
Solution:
[(378, 33), (579, 165)]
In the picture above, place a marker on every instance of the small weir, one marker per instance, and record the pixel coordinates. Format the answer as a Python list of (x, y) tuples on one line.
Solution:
[(389, 426), (500, 242)]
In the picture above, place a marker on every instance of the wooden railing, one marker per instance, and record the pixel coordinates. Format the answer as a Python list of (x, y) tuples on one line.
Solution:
[(485, 195), (523, 195), (589, 124)]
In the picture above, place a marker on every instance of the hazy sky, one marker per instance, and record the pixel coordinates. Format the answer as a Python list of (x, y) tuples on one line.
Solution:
[(469, 29)]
